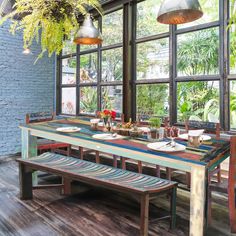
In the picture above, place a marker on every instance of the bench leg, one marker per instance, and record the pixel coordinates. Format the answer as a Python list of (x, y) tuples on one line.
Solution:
[(158, 171), (123, 163), (26, 186), (168, 173), (173, 208), (144, 215)]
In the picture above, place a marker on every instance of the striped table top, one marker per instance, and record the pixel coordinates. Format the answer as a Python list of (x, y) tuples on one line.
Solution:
[(202, 155), (103, 173)]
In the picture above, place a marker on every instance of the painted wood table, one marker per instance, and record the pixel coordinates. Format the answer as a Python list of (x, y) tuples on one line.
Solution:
[(196, 161)]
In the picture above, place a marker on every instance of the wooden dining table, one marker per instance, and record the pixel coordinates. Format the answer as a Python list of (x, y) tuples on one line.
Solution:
[(198, 161)]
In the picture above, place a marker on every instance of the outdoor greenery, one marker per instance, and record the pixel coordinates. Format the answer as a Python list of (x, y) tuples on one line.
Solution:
[(49, 22)]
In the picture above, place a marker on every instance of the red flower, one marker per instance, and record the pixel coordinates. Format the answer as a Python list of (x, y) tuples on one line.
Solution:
[(107, 112)]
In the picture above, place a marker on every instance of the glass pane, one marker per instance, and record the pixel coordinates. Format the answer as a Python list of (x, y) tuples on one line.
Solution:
[(232, 49), (198, 101), (233, 104), (153, 59), (147, 24), (112, 28), (88, 100), (69, 47), (152, 100), (198, 52), (88, 47), (210, 10), (88, 68), (112, 65), (112, 98), (68, 101), (69, 70)]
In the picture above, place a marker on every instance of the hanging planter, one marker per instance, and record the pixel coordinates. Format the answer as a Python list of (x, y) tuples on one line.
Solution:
[(48, 21)]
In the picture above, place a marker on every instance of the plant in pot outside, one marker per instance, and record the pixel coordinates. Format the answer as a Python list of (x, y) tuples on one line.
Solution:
[(154, 124)]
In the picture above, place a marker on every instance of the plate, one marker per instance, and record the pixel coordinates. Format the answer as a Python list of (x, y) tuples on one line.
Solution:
[(68, 129), (107, 136), (164, 147), (204, 137)]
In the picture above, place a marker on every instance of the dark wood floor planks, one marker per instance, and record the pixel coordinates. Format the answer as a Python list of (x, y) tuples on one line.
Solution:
[(91, 212)]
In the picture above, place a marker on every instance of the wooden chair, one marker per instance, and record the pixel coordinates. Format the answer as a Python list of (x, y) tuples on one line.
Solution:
[(228, 187), (44, 144), (210, 128)]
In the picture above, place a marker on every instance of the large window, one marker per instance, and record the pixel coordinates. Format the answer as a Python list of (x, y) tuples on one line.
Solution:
[(184, 71), (88, 85)]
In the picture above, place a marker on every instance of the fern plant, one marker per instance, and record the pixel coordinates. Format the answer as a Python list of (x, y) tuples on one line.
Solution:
[(49, 22)]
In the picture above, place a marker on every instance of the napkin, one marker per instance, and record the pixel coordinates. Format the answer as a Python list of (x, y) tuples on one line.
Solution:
[(94, 121), (196, 132)]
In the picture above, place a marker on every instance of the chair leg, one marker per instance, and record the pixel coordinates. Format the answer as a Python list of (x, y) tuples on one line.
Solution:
[(123, 163), (67, 186), (188, 179), (158, 171), (168, 173), (209, 206), (232, 210), (140, 167), (219, 174), (115, 161), (144, 215), (68, 151), (81, 153), (173, 208), (97, 157)]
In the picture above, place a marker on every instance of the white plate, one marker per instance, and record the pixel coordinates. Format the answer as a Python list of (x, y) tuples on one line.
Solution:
[(203, 137), (162, 147), (68, 129), (107, 136)]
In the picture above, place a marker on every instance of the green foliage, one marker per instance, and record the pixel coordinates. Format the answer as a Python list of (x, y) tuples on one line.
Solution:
[(198, 53), (88, 101), (155, 122), (49, 22), (152, 99)]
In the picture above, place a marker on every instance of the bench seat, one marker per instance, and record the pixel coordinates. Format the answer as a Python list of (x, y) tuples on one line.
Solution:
[(145, 186)]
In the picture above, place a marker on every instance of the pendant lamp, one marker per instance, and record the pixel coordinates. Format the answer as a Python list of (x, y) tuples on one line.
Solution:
[(87, 33), (179, 11), (6, 7)]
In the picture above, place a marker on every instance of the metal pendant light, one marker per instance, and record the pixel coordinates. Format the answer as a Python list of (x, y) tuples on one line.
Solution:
[(6, 7), (87, 33), (179, 11)]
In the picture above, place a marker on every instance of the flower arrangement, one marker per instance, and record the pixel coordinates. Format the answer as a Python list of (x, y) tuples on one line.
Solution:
[(105, 114)]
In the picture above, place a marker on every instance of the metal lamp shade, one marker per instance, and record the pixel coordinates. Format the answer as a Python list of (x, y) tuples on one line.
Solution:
[(6, 7), (179, 11), (87, 33)]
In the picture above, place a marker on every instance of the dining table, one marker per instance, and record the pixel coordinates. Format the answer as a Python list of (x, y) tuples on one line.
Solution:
[(197, 161)]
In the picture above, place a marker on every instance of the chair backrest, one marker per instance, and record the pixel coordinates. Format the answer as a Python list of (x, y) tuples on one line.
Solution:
[(209, 127), (39, 117)]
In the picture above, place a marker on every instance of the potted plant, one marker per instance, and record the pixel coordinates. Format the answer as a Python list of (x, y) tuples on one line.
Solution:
[(48, 21), (155, 124)]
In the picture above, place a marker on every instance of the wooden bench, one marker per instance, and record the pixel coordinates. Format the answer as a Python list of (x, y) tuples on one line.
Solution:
[(144, 186)]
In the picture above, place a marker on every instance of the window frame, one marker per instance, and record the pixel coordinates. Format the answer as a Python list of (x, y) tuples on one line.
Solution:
[(129, 45)]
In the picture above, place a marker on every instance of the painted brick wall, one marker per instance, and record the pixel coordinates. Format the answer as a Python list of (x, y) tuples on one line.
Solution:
[(24, 87)]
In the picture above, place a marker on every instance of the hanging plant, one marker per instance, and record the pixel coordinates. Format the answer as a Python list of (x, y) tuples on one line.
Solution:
[(49, 22)]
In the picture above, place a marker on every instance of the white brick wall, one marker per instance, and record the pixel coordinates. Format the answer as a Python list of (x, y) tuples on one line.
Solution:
[(24, 87)]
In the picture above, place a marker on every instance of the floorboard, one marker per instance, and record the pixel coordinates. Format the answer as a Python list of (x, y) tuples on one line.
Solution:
[(90, 212)]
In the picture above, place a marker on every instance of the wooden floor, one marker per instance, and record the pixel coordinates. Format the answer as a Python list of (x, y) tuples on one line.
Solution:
[(91, 212)]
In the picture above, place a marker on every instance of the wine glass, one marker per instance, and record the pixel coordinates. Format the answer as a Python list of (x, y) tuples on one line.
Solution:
[(171, 136)]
